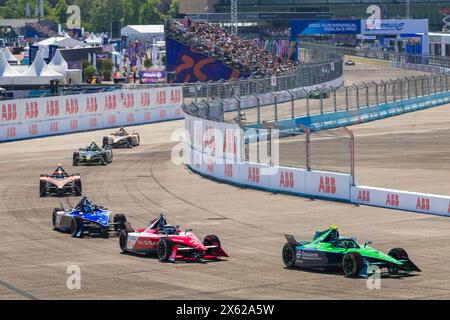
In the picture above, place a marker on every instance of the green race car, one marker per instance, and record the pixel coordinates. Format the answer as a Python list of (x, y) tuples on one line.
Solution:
[(330, 251)]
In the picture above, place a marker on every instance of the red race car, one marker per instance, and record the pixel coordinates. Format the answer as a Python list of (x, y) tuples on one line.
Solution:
[(170, 243)]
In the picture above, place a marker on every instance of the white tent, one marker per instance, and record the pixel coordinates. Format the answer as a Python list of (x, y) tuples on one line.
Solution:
[(9, 57), (93, 39), (59, 64), (7, 73), (65, 42), (39, 73), (144, 32)]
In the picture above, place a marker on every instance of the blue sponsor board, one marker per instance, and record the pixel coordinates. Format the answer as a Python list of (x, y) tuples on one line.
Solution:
[(311, 27)]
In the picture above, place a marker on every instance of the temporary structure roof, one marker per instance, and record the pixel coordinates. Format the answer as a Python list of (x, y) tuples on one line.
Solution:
[(6, 71), (9, 56), (143, 31), (58, 63), (93, 39), (39, 73), (66, 42)]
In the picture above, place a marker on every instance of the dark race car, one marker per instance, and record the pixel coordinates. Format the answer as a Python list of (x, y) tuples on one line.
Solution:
[(319, 94), (93, 154), (169, 243), (122, 139), (330, 251), (60, 184), (87, 218)]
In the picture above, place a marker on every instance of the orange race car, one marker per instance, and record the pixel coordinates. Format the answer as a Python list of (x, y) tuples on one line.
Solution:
[(60, 184), (122, 139)]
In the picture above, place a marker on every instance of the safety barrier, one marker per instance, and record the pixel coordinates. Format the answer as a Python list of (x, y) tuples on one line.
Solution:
[(215, 150), (38, 117)]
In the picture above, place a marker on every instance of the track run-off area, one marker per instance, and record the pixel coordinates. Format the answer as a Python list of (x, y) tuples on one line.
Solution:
[(409, 152)]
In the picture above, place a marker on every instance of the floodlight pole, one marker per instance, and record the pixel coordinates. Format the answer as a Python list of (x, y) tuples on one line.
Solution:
[(234, 17)]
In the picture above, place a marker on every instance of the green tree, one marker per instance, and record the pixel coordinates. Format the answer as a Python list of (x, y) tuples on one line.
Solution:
[(107, 67), (174, 8), (61, 11), (150, 13)]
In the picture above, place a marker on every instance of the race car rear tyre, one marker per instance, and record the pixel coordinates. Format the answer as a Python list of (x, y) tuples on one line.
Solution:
[(54, 215), (138, 140), (123, 240), (78, 188), (212, 240), (165, 247), (289, 256), (352, 264), (105, 142), (76, 159), (43, 189), (121, 220), (76, 225)]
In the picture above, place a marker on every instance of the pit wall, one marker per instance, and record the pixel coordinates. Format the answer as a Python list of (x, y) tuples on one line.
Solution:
[(39, 117), (214, 150)]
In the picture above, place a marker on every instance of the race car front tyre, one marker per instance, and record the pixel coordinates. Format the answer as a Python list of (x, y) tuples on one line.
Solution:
[(78, 188), (105, 141), (76, 227), (289, 256), (105, 161), (123, 240), (76, 159), (43, 189), (130, 142), (397, 254), (165, 247), (352, 264), (54, 215), (212, 240), (119, 222)]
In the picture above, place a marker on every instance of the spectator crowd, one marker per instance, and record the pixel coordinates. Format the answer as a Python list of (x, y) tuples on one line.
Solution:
[(218, 43)]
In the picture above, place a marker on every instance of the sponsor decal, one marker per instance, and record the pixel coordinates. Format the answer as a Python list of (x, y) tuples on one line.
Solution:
[(54, 126), (423, 204), (112, 119), (229, 142), (11, 132), (31, 110), (448, 208), (308, 255), (130, 117), (91, 105), (161, 97), (393, 200), (52, 109), (210, 167), (175, 96), (254, 174), (229, 173), (162, 113), (110, 102), (33, 129), (364, 196), (74, 124), (327, 185), (9, 112), (287, 180), (128, 100), (145, 99), (148, 116), (72, 106), (93, 122)]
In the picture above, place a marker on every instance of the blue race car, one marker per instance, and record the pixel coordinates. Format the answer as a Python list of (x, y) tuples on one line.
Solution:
[(87, 218)]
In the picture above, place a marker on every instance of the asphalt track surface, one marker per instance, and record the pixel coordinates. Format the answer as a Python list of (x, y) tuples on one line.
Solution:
[(409, 152)]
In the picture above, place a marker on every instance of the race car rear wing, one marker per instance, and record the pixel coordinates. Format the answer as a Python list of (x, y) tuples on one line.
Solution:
[(291, 240)]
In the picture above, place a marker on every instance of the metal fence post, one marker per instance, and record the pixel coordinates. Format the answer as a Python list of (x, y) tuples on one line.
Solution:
[(335, 99), (258, 109), (377, 101), (308, 147), (357, 96), (346, 98), (275, 106), (394, 87), (307, 104), (401, 88), (292, 104)]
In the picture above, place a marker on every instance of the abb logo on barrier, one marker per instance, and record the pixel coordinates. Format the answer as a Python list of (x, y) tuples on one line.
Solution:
[(145, 99), (449, 208), (210, 167), (54, 127), (229, 142), (93, 122), (31, 110), (364, 196), (112, 119), (161, 97), (74, 124), (130, 117), (11, 132), (228, 170), (128, 100), (423, 204), (175, 96), (91, 105), (148, 116), (287, 180), (110, 102), (33, 129), (327, 185), (9, 112), (163, 114), (254, 175), (178, 113), (72, 107), (52, 108), (393, 200)]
